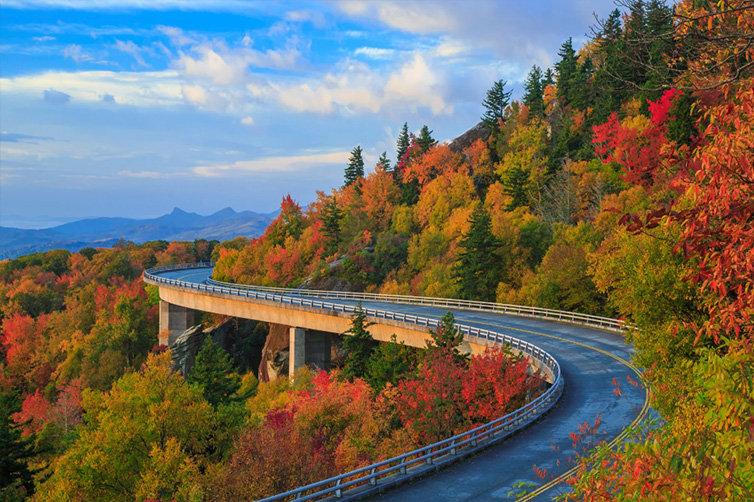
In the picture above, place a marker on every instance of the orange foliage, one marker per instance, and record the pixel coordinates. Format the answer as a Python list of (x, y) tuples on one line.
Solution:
[(435, 161)]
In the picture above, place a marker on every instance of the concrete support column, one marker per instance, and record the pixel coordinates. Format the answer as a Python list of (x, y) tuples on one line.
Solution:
[(174, 320), (296, 350), (318, 350)]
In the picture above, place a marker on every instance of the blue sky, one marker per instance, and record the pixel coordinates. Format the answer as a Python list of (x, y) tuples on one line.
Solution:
[(132, 107)]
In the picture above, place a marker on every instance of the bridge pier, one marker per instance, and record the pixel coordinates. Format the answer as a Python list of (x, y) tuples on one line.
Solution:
[(174, 320), (308, 347)]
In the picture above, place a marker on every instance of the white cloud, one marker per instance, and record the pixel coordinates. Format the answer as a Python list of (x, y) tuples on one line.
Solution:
[(317, 19), (405, 15), (375, 52), (229, 66), (417, 83), (247, 121), (274, 164), (195, 94), (134, 50), (75, 52), (161, 88)]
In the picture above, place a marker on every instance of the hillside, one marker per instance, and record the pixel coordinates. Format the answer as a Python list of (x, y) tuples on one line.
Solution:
[(620, 184)]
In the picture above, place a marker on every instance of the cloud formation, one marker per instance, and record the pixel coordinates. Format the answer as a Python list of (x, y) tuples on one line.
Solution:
[(55, 97), (285, 164)]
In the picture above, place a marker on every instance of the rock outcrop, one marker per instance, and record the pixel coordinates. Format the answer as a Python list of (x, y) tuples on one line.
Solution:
[(465, 140), (275, 353), (240, 338)]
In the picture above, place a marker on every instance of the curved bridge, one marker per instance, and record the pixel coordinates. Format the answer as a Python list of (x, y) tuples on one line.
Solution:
[(580, 355)]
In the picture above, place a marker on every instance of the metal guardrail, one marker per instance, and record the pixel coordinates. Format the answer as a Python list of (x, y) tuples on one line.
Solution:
[(501, 308), (397, 469)]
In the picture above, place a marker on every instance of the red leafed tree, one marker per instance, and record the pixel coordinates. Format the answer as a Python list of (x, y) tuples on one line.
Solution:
[(35, 413), (496, 383), (66, 412), (431, 405), (720, 227), (643, 153)]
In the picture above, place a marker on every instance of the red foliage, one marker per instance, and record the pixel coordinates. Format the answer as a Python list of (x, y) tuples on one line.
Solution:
[(495, 384), (35, 413), (641, 153), (430, 405)]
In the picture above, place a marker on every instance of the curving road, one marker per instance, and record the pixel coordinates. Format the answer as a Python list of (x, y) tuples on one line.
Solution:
[(589, 359)]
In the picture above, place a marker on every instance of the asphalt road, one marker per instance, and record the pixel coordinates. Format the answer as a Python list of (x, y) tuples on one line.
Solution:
[(589, 359)]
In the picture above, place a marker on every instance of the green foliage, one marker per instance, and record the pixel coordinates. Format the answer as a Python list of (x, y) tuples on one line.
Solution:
[(495, 104), (355, 169), (446, 339), (213, 372), (477, 270), (425, 140), (15, 452), (390, 363), (359, 344), (148, 420), (402, 144), (332, 218), (533, 87)]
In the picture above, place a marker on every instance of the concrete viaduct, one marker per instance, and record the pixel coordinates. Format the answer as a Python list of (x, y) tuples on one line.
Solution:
[(581, 355)]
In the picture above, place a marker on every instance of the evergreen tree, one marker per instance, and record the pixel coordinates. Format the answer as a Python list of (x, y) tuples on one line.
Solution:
[(495, 103), (446, 339), (402, 144), (213, 372), (533, 95), (566, 68), (390, 362), (332, 217), (383, 162), (15, 452), (548, 79), (359, 345), (477, 270), (355, 169), (514, 184), (425, 139)]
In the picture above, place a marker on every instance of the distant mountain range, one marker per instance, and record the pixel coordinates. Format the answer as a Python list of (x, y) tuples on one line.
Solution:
[(104, 232)]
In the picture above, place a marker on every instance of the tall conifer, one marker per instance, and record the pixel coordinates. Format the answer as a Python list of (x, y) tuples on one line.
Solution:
[(478, 268), (355, 168)]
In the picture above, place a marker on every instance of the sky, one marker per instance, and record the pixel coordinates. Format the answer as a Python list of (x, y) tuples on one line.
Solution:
[(133, 107)]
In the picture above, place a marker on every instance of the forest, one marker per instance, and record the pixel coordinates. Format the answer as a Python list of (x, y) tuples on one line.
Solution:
[(620, 184)]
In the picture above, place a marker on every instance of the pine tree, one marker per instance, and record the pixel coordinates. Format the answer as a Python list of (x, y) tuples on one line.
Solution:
[(390, 362), (213, 372), (355, 169), (533, 95), (495, 104), (446, 339), (402, 143), (566, 68), (548, 79), (359, 345), (384, 163), (425, 139), (331, 226), (15, 453), (477, 270)]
